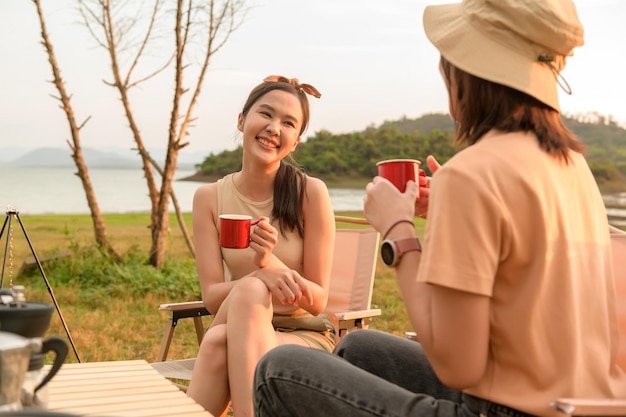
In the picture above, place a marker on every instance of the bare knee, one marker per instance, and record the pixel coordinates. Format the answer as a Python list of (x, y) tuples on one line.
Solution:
[(250, 291)]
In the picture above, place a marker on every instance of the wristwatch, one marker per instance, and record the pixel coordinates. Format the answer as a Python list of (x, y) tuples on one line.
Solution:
[(392, 250)]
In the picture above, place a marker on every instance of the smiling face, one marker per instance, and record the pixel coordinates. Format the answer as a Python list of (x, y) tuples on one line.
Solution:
[(271, 127)]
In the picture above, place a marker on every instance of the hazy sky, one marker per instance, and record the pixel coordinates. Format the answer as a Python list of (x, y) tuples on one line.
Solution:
[(370, 60)]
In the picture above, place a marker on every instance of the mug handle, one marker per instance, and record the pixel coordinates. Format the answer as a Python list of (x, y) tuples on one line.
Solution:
[(59, 346)]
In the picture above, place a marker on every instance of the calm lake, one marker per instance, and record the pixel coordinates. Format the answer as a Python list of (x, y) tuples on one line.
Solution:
[(59, 191)]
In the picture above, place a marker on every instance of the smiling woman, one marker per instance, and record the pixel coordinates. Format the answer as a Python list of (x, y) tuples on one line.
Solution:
[(282, 275)]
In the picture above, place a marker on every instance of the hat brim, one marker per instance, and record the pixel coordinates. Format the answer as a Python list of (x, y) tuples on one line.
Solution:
[(475, 52)]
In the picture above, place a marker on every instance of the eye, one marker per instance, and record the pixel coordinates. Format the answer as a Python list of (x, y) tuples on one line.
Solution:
[(265, 113), (290, 123)]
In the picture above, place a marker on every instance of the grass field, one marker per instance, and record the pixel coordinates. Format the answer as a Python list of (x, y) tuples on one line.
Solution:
[(111, 311)]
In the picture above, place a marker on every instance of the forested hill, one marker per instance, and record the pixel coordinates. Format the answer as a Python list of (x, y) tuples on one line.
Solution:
[(351, 158)]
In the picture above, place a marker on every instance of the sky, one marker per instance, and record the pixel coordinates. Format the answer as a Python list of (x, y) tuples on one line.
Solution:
[(370, 59)]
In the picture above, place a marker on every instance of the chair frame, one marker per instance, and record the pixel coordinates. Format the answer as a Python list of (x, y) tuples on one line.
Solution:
[(191, 309), (606, 407)]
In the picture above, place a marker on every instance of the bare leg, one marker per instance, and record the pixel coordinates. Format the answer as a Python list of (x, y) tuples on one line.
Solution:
[(240, 335), (250, 335), (209, 381)]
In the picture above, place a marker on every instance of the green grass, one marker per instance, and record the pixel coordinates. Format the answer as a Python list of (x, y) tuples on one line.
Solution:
[(111, 310)]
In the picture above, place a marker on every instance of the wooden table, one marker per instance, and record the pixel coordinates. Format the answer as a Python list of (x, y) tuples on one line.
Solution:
[(120, 389)]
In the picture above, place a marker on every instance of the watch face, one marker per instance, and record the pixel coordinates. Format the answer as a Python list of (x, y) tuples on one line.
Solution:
[(387, 253)]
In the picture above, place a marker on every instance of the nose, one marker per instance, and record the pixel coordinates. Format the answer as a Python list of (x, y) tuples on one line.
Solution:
[(273, 127)]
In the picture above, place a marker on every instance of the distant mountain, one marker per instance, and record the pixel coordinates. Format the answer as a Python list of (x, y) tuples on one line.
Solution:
[(10, 153), (423, 124), (111, 158), (61, 158)]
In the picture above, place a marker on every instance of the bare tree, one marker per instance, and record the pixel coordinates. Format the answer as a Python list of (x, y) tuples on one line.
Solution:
[(99, 225), (206, 25)]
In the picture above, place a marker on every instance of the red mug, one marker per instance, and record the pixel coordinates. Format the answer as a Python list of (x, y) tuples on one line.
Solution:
[(235, 230), (399, 171)]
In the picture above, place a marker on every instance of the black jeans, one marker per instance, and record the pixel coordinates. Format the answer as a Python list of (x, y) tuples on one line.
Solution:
[(371, 373)]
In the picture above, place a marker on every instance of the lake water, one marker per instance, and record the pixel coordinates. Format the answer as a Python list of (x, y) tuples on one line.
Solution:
[(59, 191)]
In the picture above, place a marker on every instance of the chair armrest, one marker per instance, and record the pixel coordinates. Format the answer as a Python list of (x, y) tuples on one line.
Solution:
[(591, 407), (357, 319), (357, 314), (185, 310), (186, 306), (350, 219)]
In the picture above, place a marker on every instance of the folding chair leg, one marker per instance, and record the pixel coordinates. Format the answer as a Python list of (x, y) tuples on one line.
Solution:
[(166, 340), (197, 322), (181, 311)]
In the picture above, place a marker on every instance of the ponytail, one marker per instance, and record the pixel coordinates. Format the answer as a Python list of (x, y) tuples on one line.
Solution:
[(289, 187)]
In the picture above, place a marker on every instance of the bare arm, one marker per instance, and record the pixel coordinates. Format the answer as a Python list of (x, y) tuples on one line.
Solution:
[(451, 325), (319, 243), (209, 262)]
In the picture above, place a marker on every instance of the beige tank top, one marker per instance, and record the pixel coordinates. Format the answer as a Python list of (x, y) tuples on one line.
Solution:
[(239, 262)]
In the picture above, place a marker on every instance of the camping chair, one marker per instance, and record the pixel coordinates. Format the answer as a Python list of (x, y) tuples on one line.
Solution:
[(594, 407), (349, 298)]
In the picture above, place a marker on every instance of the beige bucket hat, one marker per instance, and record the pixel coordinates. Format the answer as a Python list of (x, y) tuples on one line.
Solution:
[(522, 44)]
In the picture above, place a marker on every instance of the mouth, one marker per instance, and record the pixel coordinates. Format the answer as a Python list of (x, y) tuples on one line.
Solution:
[(268, 143)]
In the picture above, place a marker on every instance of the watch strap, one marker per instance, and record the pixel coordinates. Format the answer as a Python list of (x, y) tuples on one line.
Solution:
[(407, 245)]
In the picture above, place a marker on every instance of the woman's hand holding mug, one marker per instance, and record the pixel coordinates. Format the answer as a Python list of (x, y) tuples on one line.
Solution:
[(421, 205)]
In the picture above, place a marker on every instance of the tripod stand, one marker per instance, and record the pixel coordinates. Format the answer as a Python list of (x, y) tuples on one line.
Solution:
[(9, 249)]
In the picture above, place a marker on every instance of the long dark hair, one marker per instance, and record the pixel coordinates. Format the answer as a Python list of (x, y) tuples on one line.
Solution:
[(290, 182), (482, 105)]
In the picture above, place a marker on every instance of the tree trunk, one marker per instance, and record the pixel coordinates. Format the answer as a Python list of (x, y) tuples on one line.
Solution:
[(161, 230), (99, 225), (213, 21), (177, 209)]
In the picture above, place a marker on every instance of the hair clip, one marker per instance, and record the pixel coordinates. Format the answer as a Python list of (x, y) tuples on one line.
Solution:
[(303, 88)]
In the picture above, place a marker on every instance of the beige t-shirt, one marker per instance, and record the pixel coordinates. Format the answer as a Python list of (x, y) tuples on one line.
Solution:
[(510, 222), (239, 262)]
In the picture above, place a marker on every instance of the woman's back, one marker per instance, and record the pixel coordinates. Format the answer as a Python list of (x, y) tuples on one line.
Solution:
[(540, 250)]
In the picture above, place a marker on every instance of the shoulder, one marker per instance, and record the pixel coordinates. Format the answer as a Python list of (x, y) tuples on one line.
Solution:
[(204, 189), (315, 186), (210, 190), (317, 202), (205, 193)]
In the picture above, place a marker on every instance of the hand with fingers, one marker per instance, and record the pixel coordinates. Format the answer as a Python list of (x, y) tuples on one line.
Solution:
[(380, 195), (286, 285), (421, 205), (263, 238)]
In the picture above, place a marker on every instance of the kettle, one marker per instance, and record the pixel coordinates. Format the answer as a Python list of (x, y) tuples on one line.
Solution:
[(15, 354), (30, 321)]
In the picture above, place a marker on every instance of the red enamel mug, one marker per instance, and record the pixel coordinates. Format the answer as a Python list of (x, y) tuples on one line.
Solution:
[(399, 171), (235, 230)]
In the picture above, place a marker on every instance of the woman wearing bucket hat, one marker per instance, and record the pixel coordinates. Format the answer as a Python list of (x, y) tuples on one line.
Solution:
[(511, 298)]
